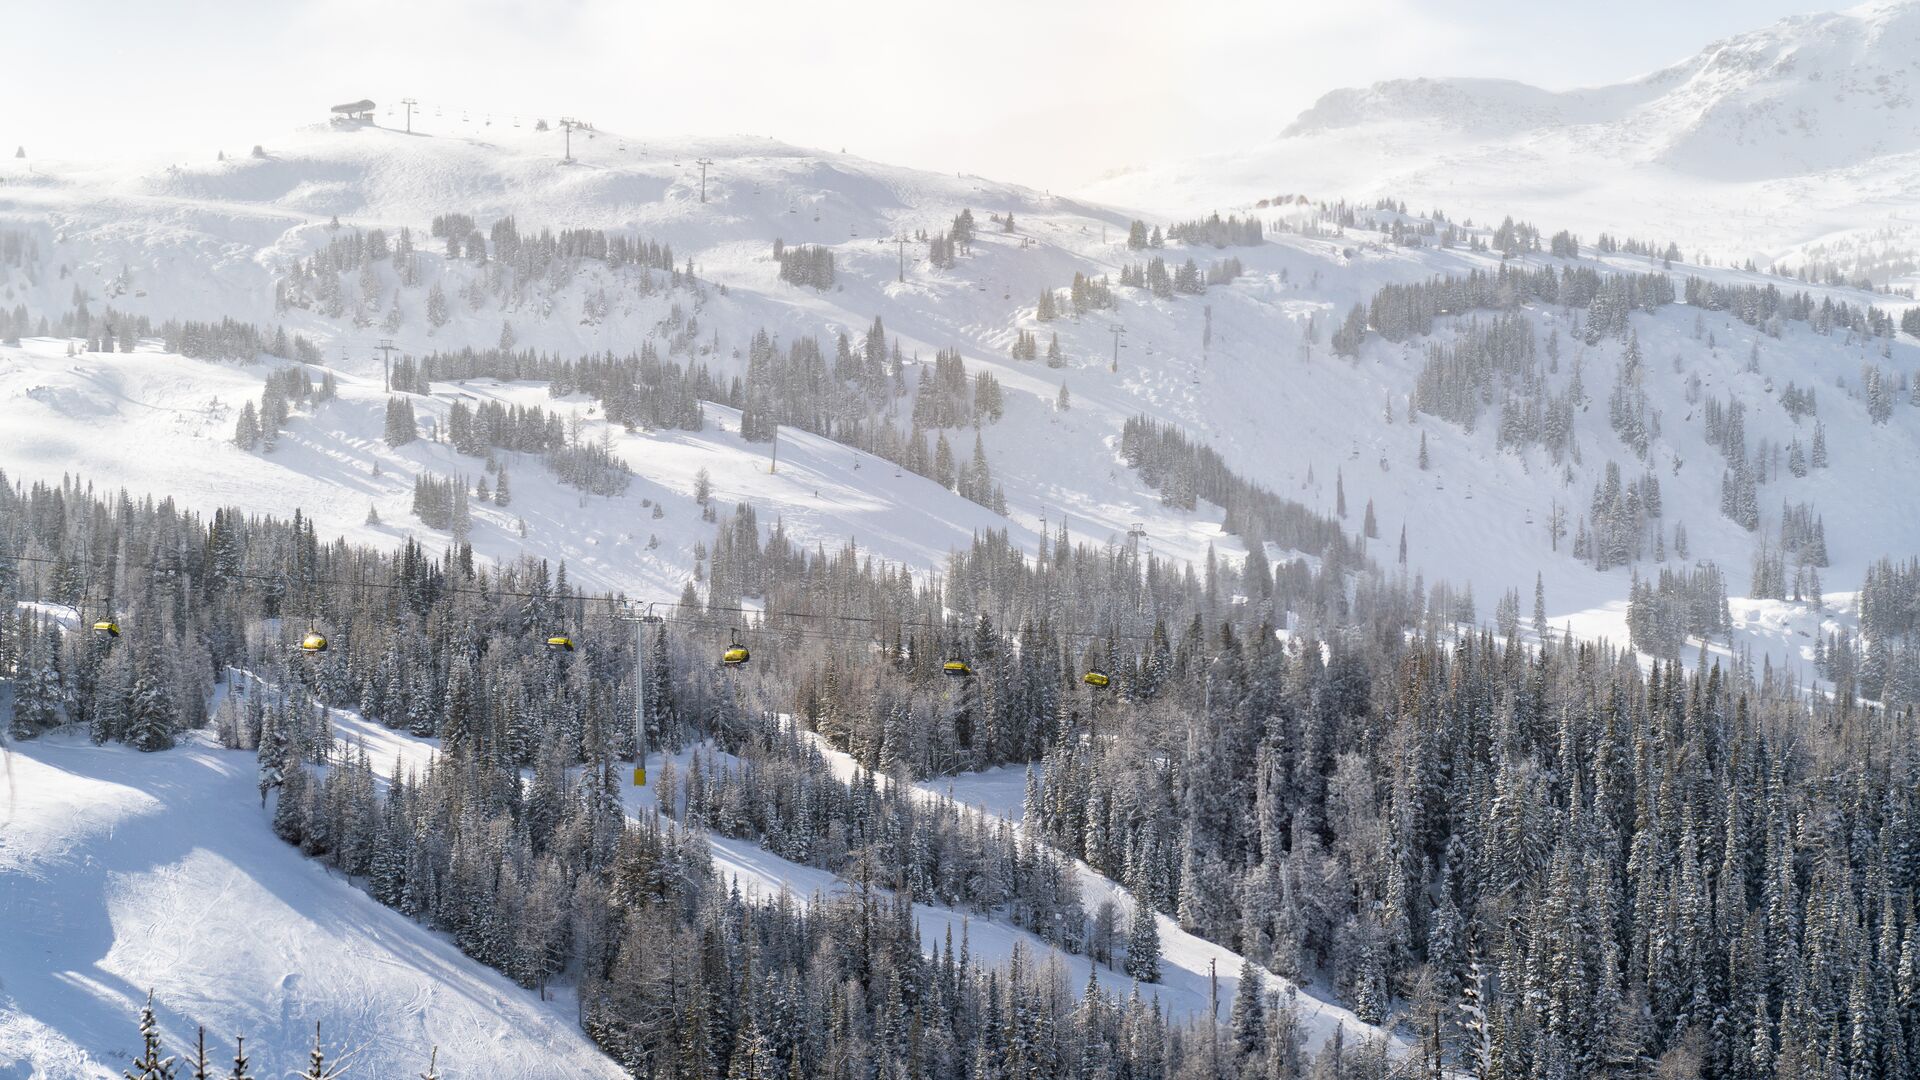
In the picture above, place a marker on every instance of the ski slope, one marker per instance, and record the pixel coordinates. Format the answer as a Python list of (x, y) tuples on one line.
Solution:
[(123, 872), (150, 422)]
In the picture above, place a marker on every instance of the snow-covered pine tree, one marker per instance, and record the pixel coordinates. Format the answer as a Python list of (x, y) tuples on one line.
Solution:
[(1143, 942), (151, 713), (401, 426), (241, 1066), (317, 1067), (150, 1065), (1248, 1020)]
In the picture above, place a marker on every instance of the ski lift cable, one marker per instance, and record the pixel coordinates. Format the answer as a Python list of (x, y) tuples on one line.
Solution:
[(764, 614)]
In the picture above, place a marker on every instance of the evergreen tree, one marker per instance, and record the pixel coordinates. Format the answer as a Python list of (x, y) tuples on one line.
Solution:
[(1143, 942), (401, 427), (150, 1065), (240, 1062), (246, 431), (150, 723), (1249, 1017), (317, 1068)]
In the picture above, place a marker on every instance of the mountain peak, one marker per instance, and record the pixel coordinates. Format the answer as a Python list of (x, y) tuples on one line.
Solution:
[(1804, 94)]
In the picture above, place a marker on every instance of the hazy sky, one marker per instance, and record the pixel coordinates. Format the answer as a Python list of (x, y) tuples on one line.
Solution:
[(1040, 91)]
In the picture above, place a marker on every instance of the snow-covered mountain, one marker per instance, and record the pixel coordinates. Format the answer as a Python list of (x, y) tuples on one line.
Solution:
[(1755, 144), (1807, 94), (1246, 366), (1797, 141)]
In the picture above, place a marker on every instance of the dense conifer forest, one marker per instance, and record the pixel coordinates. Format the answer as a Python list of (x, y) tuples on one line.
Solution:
[(1530, 861)]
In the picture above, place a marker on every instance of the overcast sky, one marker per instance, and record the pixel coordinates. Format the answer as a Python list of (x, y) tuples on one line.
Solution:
[(1046, 92)]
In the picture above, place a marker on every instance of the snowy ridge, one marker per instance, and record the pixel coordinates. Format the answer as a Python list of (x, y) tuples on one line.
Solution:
[(1765, 140)]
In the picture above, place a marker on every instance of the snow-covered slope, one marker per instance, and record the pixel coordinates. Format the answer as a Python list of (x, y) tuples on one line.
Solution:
[(1188, 963), (1765, 140), (1739, 149), (123, 872), (159, 423), (1190, 966), (1244, 367)]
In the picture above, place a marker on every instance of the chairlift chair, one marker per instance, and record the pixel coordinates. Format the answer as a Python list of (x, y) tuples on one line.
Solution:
[(736, 653)]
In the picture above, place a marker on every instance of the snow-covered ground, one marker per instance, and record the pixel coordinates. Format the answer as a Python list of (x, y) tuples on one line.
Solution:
[(123, 872)]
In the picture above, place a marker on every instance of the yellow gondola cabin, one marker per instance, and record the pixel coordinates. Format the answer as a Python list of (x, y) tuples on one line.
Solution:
[(1096, 679), (314, 642), (736, 653), (956, 668)]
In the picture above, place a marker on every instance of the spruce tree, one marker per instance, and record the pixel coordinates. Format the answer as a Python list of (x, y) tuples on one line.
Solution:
[(401, 426), (151, 720), (240, 1062), (1249, 1017), (1143, 942), (317, 1067), (201, 1066), (246, 431), (150, 1065)]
